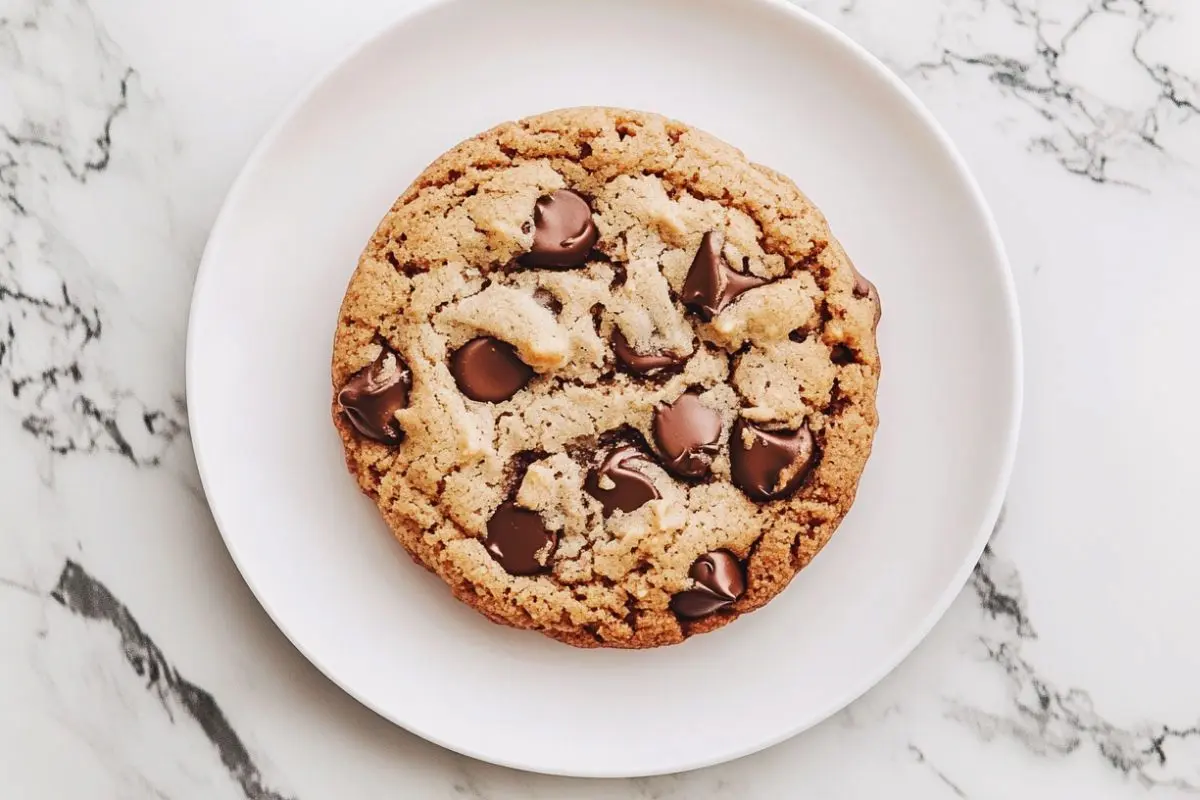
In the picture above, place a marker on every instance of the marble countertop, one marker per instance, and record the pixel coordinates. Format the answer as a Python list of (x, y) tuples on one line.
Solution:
[(136, 664)]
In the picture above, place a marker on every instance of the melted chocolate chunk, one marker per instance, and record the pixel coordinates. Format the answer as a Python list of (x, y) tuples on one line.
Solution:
[(563, 231), (720, 580), (519, 541), (629, 489), (489, 370), (775, 464), (687, 432), (372, 397), (635, 362), (711, 284)]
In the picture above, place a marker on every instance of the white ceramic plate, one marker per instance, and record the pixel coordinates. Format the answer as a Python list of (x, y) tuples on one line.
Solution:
[(794, 94)]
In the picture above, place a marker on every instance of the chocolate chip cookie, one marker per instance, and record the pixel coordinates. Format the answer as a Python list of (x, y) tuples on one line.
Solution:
[(607, 378)]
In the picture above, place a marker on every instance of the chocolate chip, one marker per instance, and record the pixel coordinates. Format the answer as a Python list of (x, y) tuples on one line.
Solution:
[(546, 299), (519, 541), (842, 355), (629, 489), (711, 284), (488, 369), (770, 465), (372, 397), (721, 582), (620, 275), (686, 432), (637, 363), (563, 231)]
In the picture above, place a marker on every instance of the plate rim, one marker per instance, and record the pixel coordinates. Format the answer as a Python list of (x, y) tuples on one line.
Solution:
[(991, 512)]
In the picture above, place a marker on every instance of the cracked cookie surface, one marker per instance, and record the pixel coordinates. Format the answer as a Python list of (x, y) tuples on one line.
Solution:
[(607, 378)]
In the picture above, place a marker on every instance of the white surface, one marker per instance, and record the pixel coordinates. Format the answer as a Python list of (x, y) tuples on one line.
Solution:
[(1066, 668), (323, 565)]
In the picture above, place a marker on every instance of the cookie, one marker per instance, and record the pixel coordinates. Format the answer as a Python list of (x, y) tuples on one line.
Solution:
[(607, 378)]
